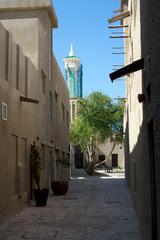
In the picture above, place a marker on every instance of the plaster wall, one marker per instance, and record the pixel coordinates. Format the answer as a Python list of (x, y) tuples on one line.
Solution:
[(143, 151), (104, 149), (28, 69)]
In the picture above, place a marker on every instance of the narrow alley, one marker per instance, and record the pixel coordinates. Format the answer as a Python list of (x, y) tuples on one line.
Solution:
[(95, 208)]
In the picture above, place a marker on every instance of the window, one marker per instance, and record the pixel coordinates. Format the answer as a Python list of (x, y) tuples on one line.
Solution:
[(101, 158), (4, 111), (114, 160), (7, 57)]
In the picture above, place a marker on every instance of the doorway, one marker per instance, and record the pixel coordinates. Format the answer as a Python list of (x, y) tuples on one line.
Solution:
[(78, 156), (114, 160)]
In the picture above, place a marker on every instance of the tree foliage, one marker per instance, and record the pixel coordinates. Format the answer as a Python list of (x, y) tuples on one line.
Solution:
[(98, 119)]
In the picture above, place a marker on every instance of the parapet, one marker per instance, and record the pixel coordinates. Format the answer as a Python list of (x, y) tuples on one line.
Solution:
[(20, 5)]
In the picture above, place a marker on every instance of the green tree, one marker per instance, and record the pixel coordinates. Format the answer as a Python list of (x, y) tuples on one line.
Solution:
[(98, 119)]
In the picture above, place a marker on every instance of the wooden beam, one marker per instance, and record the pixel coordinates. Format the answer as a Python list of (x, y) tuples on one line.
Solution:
[(119, 17), (118, 33), (29, 100), (118, 65), (117, 47), (133, 67), (119, 53), (119, 36), (118, 26)]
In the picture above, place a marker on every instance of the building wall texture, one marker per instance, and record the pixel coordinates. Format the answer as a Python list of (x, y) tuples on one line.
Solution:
[(142, 119), (28, 69), (105, 149)]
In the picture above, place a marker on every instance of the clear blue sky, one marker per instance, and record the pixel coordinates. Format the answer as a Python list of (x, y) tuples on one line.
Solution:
[(84, 24)]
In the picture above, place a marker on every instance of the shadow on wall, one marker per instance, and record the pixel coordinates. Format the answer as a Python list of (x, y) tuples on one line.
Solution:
[(141, 177)]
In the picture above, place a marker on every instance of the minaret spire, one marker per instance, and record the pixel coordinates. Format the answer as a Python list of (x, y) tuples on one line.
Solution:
[(71, 53)]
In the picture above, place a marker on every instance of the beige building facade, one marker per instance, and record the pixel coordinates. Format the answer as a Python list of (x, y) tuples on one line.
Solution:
[(34, 101), (142, 115), (116, 159)]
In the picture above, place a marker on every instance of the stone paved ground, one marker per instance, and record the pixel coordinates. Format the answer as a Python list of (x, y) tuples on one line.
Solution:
[(95, 208)]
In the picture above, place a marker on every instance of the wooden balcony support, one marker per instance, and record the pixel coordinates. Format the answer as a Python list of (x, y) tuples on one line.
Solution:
[(118, 32), (29, 100), (133, 67), (119, 36), (119, 17), (117, 53), (117, 47), (118, 65), (118, 26)]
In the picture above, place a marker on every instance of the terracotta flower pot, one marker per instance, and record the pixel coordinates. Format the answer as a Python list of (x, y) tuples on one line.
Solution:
[(59, 187), (41, 196)]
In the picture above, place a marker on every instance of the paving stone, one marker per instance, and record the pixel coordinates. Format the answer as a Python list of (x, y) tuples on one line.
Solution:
[(95, 208)]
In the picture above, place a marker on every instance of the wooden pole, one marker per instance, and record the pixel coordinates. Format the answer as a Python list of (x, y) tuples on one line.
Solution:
[(118, 26), (119, 17), (118, 33), (29, 100), (119, 53), (118, 65), (119, 36), (117, 47)]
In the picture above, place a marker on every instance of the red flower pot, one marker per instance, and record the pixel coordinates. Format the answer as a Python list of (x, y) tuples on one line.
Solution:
[(59, 187)]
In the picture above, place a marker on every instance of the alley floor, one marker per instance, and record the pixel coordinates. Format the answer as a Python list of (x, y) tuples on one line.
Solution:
[(95, 208)]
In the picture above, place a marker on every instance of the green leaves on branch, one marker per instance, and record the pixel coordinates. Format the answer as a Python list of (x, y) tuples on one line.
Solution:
[(98, 118)]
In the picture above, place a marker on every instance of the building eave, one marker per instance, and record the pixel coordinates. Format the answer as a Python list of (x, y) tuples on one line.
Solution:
[(22, 5), (133, 67)]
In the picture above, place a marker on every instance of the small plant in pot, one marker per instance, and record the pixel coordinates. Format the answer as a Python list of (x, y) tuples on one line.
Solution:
[(40, 194), (61, 187)]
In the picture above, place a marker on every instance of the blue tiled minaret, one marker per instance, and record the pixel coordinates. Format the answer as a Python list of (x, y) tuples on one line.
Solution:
[(74, 73)]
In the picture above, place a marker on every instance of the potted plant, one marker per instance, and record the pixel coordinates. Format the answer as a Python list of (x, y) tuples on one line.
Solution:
[(61, 187), (41, 195)]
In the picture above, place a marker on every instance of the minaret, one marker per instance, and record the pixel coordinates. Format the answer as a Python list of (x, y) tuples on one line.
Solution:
[(71, 53), (73, 69)]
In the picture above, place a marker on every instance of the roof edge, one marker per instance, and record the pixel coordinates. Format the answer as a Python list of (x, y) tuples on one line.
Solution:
[(16, 5)]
